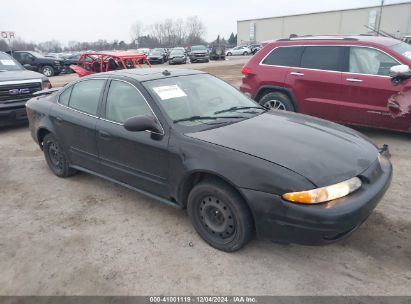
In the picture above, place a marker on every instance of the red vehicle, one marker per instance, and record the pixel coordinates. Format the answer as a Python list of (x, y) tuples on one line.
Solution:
[(90, 63), (343, 79)]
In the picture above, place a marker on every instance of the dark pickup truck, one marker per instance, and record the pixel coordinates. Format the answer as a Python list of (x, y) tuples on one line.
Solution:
[(17, 85), (36, 62), (199, 53)]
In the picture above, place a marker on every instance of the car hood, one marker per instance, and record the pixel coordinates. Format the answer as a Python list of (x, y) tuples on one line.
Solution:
[(198, 52), (20, 75), (323, 152)]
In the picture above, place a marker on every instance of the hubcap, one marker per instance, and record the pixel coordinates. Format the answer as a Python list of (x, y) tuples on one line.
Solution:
[(56, 156), (275, 104), (47, 71), (216, 217)]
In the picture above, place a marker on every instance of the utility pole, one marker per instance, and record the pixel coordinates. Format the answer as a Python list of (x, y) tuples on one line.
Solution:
[(380, 17)]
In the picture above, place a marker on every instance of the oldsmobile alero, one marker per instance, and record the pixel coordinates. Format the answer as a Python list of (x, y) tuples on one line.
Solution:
[(192, 141)]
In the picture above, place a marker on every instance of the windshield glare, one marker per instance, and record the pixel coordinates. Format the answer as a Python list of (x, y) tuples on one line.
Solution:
[(176, 53), (198, 48), (404, 49), (199, 95), (7, 63)]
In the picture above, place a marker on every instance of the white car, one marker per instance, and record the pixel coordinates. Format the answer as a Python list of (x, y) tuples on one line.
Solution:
[(239, 50)]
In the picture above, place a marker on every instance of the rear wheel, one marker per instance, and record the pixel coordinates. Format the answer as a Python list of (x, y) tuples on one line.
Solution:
[(277, 101), (47, 70), (229, 54), (55, 157), (220, 215), (245, 53)]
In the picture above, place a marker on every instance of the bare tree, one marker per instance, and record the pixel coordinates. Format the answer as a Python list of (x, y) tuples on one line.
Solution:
[(137, 30), (195, 30)]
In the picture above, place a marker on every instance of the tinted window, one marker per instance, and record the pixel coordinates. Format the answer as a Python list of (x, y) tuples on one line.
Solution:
[(322, 58), (65, 96), (124, 101), (370, 61), (285, 56), (85, 95)]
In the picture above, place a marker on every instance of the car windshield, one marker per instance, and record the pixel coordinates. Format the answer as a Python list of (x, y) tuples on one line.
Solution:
[(156, 52), (7, 63), (404, 49), (198, 48), (176, 53), (201, 100)]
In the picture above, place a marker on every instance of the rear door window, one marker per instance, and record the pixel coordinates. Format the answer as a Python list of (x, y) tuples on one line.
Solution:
[(327, 58), (85, 95), (285, 56)]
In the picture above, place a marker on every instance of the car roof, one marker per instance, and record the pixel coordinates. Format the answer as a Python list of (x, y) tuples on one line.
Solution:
[(343, 39), (145, 74)]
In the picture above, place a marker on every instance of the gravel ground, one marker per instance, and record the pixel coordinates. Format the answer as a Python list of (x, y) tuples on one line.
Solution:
[(87, 236)]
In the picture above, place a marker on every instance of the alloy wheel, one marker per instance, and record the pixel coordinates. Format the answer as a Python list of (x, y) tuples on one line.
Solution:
[(275, 104)]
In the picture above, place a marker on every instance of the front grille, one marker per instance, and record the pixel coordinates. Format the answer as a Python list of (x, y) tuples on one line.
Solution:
[(16, 91)]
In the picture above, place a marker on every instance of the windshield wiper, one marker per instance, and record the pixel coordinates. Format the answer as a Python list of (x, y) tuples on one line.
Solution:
[(232, 109), (194, 118)]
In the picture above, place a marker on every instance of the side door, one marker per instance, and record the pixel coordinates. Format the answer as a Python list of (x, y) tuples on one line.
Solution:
[(139, 159), (75, 118), (368, 89), (316, 83)]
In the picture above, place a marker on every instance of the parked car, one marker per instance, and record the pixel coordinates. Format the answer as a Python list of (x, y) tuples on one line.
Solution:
[(67, 59), (199, 53), (254, 48), (217, 52), (156, 56), (17, 85), (144, 51), (39, 63), (342, 79), (177, 56), (239, 50), (164, 53), (187, 139)]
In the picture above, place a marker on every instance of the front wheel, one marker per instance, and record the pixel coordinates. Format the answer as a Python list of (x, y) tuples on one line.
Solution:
[(277, 101), (220, 215), (47, 70), (55, 157), (245, 53), (229, 54)]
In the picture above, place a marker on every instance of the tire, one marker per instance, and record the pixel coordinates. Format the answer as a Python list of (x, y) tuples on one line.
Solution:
[(245, 53), (47, 70), (55, 157), (229, 54), (220, 215), (277, 101), (162, 61)]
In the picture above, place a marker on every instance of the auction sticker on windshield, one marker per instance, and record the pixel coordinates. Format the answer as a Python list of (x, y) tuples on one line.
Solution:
[(7, 62), (168, 92)]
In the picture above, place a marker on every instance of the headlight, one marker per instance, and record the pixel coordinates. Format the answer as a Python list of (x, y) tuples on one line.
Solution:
[(45, 84), (325, 194)]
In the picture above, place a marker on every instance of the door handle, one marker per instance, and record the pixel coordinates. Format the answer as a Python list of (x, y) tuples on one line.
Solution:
[(104, 134), (354, 80), (296, 74)]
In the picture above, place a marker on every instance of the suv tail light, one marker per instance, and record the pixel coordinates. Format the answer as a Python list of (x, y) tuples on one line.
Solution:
[(246, 71)]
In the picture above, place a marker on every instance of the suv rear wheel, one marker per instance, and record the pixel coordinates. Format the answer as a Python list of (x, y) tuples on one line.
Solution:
[(277, 101), (47, 70)]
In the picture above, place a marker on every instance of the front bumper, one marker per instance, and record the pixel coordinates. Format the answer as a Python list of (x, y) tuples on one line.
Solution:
[(13, 115), (282, 221), (194, 58)]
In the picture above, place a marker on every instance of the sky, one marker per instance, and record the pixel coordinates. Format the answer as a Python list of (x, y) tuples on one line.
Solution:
[(90, 20)]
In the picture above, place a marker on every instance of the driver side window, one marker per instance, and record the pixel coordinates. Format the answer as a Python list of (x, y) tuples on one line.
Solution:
[(125, 101), (370, 61)]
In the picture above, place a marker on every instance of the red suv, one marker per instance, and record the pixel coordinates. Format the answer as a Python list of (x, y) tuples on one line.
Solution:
[(343, 79)]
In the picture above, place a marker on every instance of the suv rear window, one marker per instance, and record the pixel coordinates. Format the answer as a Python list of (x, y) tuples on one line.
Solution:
[(285, 56), (322, 58)]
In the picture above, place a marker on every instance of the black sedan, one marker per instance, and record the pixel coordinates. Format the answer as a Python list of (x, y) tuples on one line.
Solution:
[(156, 56), (177, 57), (192, 141)]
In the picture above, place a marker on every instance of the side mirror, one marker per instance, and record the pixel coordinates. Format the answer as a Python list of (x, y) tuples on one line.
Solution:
[(400, 70), (27, 66), (142, 123)]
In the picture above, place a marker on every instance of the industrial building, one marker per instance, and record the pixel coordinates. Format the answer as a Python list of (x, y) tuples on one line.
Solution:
[(394, 19)]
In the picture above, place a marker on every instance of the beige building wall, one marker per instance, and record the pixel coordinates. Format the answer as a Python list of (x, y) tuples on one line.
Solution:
[(396, 20)]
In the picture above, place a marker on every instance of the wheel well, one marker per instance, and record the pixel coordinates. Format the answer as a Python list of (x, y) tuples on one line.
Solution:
[(41, 134), (286, 92), (197, 177)]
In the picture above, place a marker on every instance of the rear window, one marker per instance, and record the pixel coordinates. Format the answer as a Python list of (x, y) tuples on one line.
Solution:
[(285, 56), (85, 95), (322, 58)]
